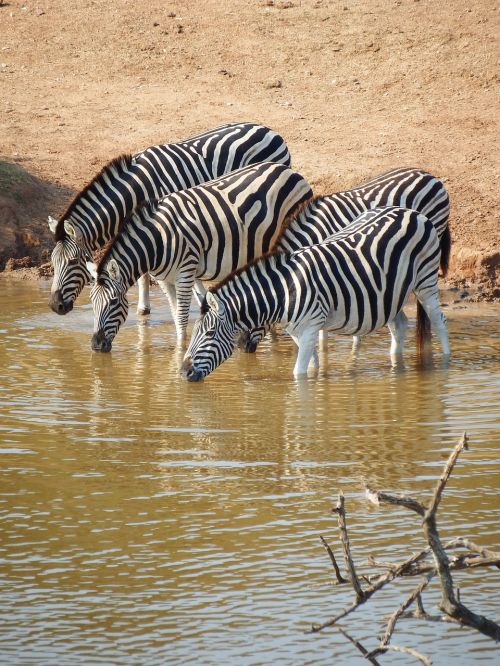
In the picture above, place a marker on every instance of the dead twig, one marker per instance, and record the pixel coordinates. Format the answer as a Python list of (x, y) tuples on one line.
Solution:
[(340, 579), (370, 591), (391, 625), (399, 648), (349, 563), (360, 647)]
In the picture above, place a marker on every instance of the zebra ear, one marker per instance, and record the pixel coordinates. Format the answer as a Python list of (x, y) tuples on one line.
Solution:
[(214, 303), (72, 231), (92, 269), (113, 269), (52, 223)]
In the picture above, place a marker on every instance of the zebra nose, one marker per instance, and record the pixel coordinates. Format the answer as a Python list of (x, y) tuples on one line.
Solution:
[(188, 372), (58, 305), (246, 343), (100, 342)]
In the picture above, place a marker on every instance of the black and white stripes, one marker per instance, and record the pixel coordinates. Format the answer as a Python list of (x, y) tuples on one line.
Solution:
[(353, 284), (406, 187), (202, 233), (95, 215)]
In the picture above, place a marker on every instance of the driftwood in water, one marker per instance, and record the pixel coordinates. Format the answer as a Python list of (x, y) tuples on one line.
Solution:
[(418, 564)]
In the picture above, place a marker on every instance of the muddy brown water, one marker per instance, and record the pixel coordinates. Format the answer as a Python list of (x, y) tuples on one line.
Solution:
[(146, 520)]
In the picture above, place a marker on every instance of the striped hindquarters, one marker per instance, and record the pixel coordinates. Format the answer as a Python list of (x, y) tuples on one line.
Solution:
[(364, 274), (405, 187)]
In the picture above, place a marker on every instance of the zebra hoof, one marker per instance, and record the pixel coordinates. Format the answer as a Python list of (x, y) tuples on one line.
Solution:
[(143, 312)]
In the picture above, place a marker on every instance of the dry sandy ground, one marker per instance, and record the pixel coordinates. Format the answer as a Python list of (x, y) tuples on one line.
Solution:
[(356, 87)]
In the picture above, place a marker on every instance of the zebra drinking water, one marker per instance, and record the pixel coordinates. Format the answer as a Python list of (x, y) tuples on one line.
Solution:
[(94, 216), (408, 187), (204, 232), (354, 283)]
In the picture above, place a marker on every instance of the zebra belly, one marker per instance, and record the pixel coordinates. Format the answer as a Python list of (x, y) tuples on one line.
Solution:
[(355, 320)]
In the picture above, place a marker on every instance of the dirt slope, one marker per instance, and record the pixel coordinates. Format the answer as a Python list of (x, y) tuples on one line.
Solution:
[(356, 87)]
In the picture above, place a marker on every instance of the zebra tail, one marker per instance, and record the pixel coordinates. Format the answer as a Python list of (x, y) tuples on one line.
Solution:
[(445, 244), (423, 329)]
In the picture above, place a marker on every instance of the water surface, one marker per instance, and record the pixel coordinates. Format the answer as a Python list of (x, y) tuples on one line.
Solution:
[(146, 520)]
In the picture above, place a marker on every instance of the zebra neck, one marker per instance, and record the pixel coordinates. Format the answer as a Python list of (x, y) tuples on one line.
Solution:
[(321, 218), (101, 209), (255, 296), (143, 246)]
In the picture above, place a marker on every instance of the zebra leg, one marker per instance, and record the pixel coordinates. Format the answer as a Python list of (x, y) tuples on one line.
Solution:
[(199, 291), (169, 290), (356, 343), (184, 285), (397, 328), (432, 307), (323, 339), (306, 342), (143, 306)]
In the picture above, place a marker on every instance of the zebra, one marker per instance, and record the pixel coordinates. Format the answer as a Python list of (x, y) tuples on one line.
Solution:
[(204, 232), (354, 283), (94, 216), (409, 187)]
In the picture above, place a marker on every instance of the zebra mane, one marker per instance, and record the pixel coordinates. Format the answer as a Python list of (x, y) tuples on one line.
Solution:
[(273, 253), (293, 215), (106, 249), (121, 163)]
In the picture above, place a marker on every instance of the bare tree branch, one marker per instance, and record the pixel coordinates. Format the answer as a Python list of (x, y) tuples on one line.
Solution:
[(377, 496), (398, 648), (338, 575), (442, 566), (360, 647), (349, 563), (449, 603), (448, 468)]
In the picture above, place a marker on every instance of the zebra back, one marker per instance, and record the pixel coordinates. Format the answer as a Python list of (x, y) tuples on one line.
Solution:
[(405, 187), (218, 226), (127, 181)]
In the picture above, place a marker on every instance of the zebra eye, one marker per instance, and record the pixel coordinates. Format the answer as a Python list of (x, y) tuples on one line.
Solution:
[(73, 261)]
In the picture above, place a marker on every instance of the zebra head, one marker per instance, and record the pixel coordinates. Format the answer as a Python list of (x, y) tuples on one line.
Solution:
[(212, 340), (68, 259), (109, 300)]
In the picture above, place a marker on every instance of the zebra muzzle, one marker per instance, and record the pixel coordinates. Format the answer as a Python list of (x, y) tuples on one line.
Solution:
[(58, 305), (189, 373), (245, 342), (100, 342)]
